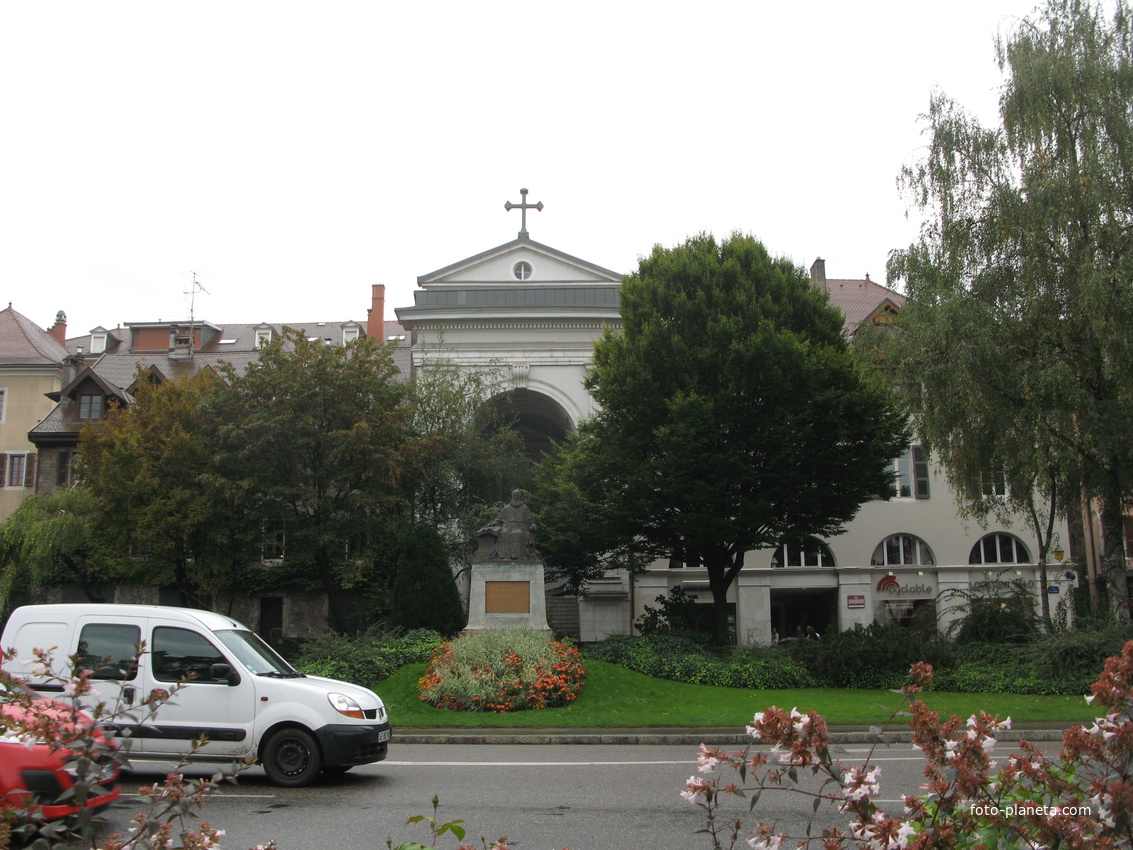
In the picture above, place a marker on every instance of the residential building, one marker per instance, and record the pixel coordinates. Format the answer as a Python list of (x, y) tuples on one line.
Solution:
[(31, 368), (104, 369), (105, 366)]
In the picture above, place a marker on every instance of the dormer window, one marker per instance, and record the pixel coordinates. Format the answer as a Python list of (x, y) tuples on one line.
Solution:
[(97, 343), (350, 333), (263, 337), (90, 407)]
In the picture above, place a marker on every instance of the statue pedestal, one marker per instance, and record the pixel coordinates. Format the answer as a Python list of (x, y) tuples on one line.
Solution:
[(507, 595)]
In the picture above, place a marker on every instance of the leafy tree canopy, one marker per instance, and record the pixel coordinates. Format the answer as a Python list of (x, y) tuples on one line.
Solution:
[(159, 514), (315, 438), (473, 459), (1017, 338), (732, 417)]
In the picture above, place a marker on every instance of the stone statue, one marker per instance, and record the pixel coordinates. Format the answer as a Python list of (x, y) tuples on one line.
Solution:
[(514, 532)]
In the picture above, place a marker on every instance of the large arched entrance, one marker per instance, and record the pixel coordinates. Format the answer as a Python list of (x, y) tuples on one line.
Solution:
[(538, 418)]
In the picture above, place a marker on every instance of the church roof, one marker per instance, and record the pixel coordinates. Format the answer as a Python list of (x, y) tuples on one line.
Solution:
[(486, 267)]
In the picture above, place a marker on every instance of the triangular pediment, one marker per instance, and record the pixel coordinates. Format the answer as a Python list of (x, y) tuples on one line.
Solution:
[(503, 266)]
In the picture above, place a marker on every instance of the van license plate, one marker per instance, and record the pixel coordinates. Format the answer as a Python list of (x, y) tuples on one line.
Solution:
[(383, 735)]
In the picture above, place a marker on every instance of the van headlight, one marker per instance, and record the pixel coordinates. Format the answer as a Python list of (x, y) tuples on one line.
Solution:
[(346, 705)]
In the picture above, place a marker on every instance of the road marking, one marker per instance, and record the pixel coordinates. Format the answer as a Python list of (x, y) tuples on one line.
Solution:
[(528, 764), (217, 794), (691, 762)]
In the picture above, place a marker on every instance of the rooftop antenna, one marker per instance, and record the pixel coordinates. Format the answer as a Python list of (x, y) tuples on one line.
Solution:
[(194, 287)]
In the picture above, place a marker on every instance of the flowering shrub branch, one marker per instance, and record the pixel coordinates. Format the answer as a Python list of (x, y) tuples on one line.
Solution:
[(437, 829), (1081, 798), (73, 727)]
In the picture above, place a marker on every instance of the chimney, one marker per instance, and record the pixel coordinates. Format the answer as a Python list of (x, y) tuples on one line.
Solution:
[(58, 330), (72, 365), (376, 315), (818, 273)]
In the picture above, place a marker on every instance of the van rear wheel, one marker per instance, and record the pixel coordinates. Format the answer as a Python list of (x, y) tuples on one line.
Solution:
[(291, 758)]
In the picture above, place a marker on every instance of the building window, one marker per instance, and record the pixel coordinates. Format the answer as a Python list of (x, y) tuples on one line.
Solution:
[(90, 407), (999, 549), (918, 615), (17, 469), (809, 552), (263, 337), (17, 465), (910, 474), (64, 464), (521, 270), (3, 405), (902, 550), (994, 485), (97, 343), (349, 335), (273, 542)]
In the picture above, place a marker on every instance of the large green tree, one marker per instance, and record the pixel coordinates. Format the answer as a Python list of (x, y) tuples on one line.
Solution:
[(472, 459), (314, 439), (732, 417), (160, 516), (1019, 333)]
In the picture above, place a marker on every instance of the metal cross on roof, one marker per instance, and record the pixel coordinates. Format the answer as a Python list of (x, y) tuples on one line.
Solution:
[(523, 207)]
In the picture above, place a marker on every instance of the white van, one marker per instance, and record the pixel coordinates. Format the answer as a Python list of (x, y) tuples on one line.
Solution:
[(237, 692)]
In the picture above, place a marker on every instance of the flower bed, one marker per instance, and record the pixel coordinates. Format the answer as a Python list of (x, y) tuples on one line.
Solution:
[(503, 670)]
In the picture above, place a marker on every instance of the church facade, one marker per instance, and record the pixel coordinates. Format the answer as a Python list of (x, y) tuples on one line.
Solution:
[(532, 313)]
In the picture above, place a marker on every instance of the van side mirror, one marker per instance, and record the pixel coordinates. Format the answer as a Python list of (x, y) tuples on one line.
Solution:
[(219, 672)]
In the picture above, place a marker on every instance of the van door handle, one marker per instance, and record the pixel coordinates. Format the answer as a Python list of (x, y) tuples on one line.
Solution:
[(128, 695)]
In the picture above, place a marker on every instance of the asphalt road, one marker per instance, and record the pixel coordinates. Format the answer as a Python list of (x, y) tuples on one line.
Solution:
[(585, 797)]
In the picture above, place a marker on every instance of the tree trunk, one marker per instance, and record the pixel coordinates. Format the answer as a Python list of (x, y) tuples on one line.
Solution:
[(334, 614), (1113, 552), (722, 571)]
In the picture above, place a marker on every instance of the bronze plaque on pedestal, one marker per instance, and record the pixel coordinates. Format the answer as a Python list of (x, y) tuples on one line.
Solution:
[(507, 597)]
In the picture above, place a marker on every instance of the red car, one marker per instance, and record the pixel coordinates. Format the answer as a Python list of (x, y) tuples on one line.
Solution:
[(45, 772)]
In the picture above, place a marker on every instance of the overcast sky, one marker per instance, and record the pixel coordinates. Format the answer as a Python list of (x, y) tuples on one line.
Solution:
[(292, 154)]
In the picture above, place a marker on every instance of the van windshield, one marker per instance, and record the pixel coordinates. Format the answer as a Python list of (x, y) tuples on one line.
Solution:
[(257, 656)]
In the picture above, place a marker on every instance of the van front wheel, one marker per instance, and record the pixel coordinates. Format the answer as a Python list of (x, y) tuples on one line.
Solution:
[(291, 758)]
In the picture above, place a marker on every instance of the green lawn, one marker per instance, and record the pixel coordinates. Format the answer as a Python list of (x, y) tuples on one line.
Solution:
[(615, 697)]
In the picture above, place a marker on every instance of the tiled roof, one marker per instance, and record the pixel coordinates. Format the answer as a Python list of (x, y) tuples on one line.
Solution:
[(859, 299), (233, 338), (23, 343), (117, 368), (55, 423)]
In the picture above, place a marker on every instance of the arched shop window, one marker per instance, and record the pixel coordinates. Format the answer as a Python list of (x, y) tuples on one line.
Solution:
[(808, 552), (999, 549), (902, 550)]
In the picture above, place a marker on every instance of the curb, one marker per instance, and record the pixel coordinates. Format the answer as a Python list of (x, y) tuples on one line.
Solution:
[(689, 737)]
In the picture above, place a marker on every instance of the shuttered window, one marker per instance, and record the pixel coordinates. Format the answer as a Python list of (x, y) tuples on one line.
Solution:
[(910, 474), (17, 469)]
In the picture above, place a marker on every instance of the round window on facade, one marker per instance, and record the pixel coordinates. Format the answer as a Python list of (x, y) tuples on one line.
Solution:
[(902, 550), (809, 552), (999, 549), (521, 270)]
